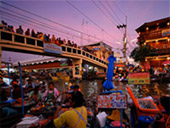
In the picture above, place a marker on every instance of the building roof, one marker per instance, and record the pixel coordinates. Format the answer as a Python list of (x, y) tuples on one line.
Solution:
[(99, 43), (40, 60), (153, 23)]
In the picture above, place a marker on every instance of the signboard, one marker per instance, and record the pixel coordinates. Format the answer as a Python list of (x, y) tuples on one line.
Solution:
[(139, 78), (166, 32), (52, 48), (119, 65), (112, 101), (63, 63), (3, 65)]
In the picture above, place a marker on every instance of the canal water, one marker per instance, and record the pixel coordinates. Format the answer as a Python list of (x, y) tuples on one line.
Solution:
[(91, 88)]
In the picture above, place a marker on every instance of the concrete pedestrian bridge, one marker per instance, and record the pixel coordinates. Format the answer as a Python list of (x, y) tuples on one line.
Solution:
[(11, 41)]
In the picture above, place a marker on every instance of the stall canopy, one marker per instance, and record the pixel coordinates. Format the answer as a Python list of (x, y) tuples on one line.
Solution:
[(166, 62)]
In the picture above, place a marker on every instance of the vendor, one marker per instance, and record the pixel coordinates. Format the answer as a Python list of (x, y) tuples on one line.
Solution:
[(52, 93), (29, 85), (76, 88), (68, 95), (14, 82), (35, 95), (16, 91), (74, 118)]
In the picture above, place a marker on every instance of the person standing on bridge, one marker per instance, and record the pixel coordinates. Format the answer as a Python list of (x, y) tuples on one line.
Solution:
[(19, 30), (27, 33), (33, 33), (53, 39)]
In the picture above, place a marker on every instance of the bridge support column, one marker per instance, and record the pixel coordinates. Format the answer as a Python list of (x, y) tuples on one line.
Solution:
[(77, 68)]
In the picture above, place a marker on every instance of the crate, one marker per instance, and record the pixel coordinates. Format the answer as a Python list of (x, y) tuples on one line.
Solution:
[(144, 106)]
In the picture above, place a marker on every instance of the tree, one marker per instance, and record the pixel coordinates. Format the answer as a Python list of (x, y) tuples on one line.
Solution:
[(139, 53)]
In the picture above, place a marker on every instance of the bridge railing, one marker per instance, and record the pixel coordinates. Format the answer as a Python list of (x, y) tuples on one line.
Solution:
[(20, 38), (37, 43), (81, 52)]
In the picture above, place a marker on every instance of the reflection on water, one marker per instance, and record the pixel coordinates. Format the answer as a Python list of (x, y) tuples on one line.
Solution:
[(94, 87)]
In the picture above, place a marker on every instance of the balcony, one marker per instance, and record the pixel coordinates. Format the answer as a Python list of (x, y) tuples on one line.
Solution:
[(155, 52), (154, 34)]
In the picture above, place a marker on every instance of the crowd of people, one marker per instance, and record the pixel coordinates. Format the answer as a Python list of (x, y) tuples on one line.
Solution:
[(40, 35), (45, 37), (46, 92), (121, 74)]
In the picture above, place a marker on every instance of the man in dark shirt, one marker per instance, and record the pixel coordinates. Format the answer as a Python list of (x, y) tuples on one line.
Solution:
[(19, 30)]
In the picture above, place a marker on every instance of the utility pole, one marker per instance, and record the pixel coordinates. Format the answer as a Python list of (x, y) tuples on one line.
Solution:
[(124, 38), (82, 33)]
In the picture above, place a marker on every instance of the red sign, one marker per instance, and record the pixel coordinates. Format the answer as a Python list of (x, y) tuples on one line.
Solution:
[(139, 78), (121, 65), (3, 65)]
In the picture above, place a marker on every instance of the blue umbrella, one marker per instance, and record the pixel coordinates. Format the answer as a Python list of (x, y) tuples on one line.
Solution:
[(108, 83)]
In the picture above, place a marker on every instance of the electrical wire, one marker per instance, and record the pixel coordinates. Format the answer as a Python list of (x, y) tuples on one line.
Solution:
[(21, 19), (119, 9), (84, 14), (113, 12), (108, 12), (38, 24), (58, 24), (29, 18), (88, 18), (28, 26), (48, 19), (104, 14), (34, 19), (41, 17), (16, 21)]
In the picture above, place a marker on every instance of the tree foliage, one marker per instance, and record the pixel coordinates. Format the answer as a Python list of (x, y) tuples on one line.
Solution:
[(139, 53)]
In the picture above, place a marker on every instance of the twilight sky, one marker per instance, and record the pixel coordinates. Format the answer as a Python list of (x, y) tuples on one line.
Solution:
[(100, 20)]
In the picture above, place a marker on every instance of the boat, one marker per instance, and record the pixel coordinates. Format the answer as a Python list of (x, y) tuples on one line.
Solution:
[(9, 121), (147, 110)]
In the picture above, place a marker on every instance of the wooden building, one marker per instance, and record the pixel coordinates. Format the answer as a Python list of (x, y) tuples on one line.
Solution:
[(100, 49), (157, 35)]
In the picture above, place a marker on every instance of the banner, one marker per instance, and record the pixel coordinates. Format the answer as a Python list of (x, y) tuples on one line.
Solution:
[(139, 78), (112, 101), (119, 65), (52, 48), (96, 48)]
